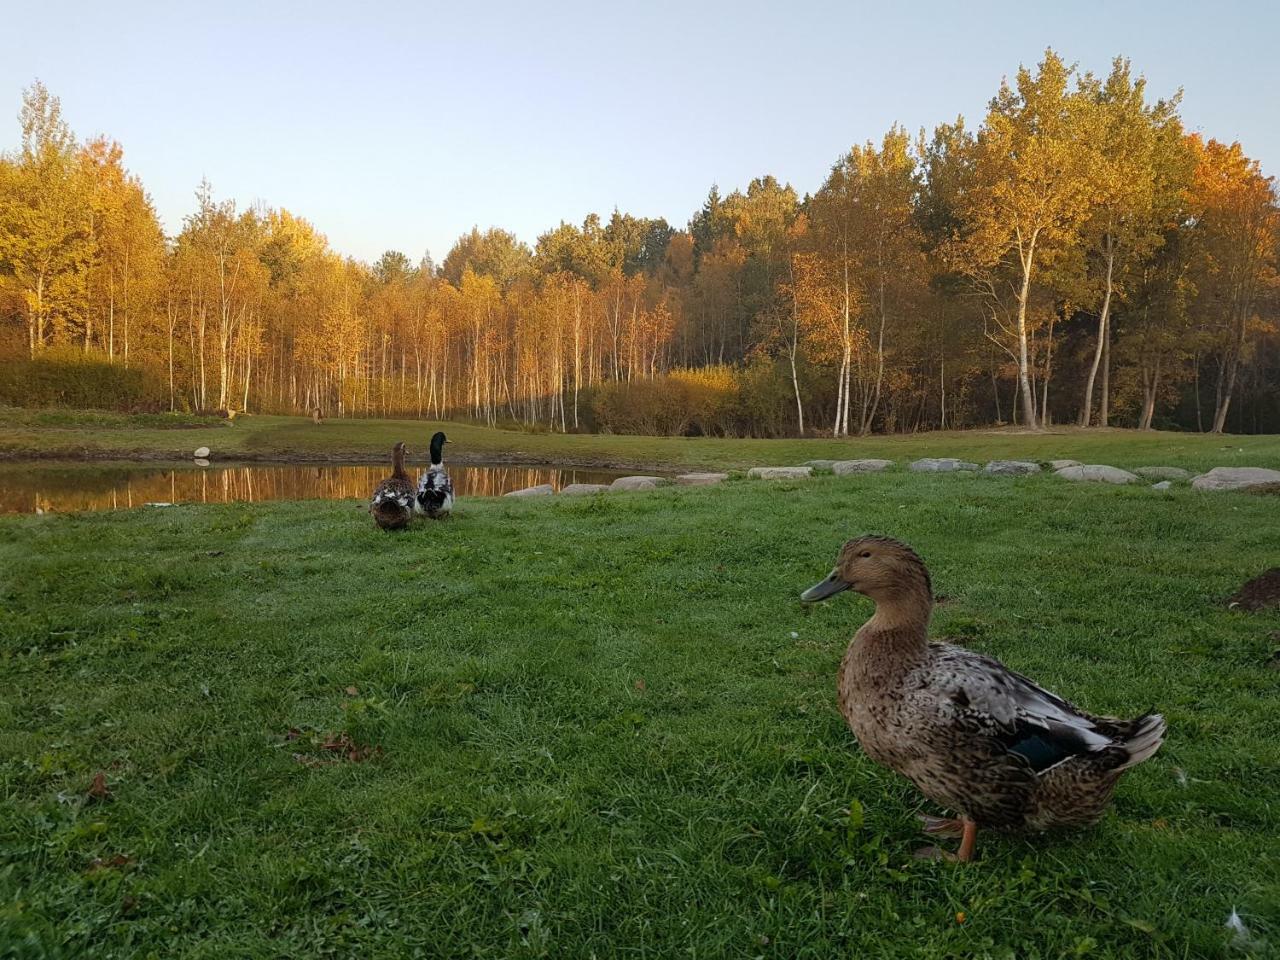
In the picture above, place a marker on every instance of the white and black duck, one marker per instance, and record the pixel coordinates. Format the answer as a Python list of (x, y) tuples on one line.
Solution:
[(392, 503), (435, 489)]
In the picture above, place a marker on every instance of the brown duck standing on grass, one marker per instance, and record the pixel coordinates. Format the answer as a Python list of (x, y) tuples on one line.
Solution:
[(970, 733), (392, 503)]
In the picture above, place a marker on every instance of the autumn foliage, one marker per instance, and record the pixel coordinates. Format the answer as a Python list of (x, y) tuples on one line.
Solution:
[(1078, 257)]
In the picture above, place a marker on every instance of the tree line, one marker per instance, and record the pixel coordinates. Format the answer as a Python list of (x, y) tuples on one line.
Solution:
[(1079, 257)]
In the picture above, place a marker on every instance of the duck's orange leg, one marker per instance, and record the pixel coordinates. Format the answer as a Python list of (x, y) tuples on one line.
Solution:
[(964, 828), (968, 838), (941, 826)]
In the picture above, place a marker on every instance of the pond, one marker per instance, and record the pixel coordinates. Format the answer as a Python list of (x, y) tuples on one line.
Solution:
[(66, 487)]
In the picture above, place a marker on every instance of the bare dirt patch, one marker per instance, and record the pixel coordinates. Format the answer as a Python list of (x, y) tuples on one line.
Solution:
[(1260, 593)]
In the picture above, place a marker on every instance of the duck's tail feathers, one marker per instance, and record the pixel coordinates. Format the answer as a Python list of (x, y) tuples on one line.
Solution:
[(1148, 734)]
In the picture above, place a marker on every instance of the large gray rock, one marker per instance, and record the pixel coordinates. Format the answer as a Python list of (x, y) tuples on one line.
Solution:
[(1162, 485), (541, 490), (201, 453), (780, 473), (844, 467), (636, 483), (1059, 464), (1012, 468), (1098, 473), (941, 465), (575, 489), (1162, 473), (1235, 478), (700, 479)]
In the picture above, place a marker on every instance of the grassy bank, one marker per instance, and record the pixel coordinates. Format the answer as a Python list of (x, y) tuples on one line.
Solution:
[(606, 727), (25, 434)]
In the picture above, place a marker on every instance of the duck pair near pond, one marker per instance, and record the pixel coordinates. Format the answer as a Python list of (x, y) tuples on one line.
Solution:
[(395, 499)]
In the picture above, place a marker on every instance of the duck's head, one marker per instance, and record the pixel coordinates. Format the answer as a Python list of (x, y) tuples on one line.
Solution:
[(878, 567), (437, 446)]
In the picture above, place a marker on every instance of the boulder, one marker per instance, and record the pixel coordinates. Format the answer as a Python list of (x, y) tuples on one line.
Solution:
[(941, 465), (1059, 464), (636, 483), (1162, 485), (1162, 473), (1235, 478), (201, 452), (700, 479), (574, 489), (844, 467), (541, 490), (1098, 473), (780, 473), (1011, 468)]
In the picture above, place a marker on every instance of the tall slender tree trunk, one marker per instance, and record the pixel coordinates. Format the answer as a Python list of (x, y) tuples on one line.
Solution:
[(869, 412), (1104, 403), (1150, 386), (1086, 409), (1027, 259)]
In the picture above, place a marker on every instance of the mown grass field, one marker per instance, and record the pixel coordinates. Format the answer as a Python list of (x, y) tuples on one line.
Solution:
[(606, 727), (95, 435)]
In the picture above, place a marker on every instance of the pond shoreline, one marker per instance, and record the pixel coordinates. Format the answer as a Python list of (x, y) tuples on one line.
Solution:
[(53, 486), (157, 458)]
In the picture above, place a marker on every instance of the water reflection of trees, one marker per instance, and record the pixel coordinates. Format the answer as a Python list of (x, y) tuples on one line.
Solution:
[(64, 489)]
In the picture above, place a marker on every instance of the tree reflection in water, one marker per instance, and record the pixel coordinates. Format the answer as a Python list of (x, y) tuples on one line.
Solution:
[(64, 488)]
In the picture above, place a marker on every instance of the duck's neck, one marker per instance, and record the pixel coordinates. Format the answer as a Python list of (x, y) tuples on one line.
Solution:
[(900, 624), (437, 453), (397, 464)]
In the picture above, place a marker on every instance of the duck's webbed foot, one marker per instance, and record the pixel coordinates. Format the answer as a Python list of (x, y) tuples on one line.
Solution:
[(963, 828)]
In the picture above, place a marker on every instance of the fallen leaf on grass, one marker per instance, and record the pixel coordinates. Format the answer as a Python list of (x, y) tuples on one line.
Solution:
[(640, 685), (340, 747), (99, 790), (352, 751), (110, 863), (351, 692)]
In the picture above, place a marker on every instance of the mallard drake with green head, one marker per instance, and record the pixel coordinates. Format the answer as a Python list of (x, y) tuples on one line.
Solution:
[(435, 489), (971, 734)]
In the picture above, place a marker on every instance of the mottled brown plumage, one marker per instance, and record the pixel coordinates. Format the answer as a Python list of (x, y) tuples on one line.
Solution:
[(971, 734), (392, 502)]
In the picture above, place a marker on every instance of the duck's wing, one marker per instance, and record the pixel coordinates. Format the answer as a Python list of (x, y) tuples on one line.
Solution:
[(987, 699), (393, 490)]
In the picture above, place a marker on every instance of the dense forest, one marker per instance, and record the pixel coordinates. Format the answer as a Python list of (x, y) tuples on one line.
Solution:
[(1077, 258)]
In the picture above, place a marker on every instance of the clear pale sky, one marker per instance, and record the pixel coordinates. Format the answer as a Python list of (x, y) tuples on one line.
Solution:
[(402, 125)]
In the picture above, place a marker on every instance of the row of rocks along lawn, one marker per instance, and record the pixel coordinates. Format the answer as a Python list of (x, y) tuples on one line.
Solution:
[(622, 483), (1219, 478)]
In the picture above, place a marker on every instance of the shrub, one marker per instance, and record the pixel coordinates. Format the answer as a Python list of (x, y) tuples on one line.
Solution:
[(705, 402), (72, 379)]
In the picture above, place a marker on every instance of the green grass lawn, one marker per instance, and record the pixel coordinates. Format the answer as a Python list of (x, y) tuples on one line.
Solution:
[(26, 433), (606, 727)]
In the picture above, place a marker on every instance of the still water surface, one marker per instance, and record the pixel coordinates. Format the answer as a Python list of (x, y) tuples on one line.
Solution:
[(63, 487)]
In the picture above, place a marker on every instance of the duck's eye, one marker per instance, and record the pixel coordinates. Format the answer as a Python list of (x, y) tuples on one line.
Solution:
[(865, 554)]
